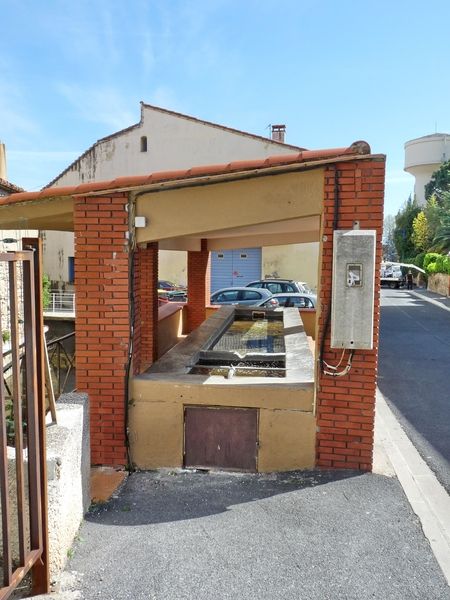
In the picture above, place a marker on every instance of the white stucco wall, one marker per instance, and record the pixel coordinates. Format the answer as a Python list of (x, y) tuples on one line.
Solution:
[(423, 156), (173, 142), (57, 247)]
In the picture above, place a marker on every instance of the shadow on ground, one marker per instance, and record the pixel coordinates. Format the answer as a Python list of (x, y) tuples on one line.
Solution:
[(167, 496)]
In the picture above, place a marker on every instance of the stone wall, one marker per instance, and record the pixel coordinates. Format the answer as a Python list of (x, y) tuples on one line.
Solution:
[(439, 283)]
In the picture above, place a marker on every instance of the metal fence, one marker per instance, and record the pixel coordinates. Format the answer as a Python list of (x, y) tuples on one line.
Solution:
[(23, 492)]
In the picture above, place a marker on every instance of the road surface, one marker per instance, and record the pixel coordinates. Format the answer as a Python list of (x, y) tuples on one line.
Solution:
[(414, 374)]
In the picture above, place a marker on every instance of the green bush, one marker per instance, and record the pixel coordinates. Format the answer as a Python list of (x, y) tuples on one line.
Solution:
[(436, 263), (429, 262), (418, 260), (46, 291)]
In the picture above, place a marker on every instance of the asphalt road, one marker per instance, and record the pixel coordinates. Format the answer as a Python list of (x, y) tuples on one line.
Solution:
[(413, 374), (288, 536)]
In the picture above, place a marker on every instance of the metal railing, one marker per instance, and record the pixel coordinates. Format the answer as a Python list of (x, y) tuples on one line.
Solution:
[(61, 358), (61, 302)]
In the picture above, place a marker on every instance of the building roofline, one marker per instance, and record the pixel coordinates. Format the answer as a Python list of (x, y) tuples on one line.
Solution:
[(222, 127), (313, 158), (175, 114), (10, 187)]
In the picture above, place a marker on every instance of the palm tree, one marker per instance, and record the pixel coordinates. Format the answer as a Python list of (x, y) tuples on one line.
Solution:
[(441, 240)]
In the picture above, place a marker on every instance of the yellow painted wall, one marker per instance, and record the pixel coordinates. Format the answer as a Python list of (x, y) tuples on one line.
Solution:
[(286, 431), (296, 261)]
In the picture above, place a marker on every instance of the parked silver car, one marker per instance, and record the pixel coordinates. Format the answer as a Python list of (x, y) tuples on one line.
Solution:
[(281, 286), (244, 295), (296, 300)]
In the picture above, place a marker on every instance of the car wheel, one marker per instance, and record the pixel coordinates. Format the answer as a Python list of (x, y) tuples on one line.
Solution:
[(392, 285)]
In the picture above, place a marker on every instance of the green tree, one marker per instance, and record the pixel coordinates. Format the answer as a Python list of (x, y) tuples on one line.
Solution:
[(404, 229), (421, 232), (441, 241), (433, 212), (439, 183), (389, 251)]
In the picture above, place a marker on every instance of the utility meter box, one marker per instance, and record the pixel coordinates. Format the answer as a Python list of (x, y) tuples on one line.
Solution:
[(353, 289)]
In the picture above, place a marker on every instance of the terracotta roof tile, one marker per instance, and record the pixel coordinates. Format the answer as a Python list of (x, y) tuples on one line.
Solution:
[(309, 156), (9, 187)]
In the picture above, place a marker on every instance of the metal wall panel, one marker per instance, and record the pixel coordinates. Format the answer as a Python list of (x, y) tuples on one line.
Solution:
[(235, 267)]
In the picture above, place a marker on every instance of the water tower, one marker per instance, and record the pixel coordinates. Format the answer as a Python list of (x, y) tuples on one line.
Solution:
[(423, 156)]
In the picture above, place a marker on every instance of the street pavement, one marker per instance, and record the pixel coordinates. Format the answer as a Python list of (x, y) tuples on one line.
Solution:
[(317, 535), (300, 536), (413, 371)]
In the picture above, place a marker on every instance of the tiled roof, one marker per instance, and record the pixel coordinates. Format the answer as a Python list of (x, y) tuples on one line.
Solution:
[(9, 187), (306, 157), (175, 114)]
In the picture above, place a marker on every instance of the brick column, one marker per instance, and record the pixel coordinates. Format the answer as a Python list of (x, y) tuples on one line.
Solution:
[(346, 405), (145, 342), (102, 325), (199, 280)]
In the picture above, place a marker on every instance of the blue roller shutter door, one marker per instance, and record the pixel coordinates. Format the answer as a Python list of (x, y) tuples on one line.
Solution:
[(235, 267)]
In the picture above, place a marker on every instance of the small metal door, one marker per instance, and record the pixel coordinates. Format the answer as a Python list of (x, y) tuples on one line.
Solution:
[(221, 438)]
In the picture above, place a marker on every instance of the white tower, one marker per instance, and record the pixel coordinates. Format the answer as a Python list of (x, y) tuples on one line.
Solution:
[(2, 162), (423, 156)]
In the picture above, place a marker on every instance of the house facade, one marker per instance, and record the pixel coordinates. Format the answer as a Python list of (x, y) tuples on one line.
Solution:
[(166, 140)]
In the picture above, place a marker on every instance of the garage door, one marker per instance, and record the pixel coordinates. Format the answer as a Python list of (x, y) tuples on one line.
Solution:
[(221, 438), (235, 267)]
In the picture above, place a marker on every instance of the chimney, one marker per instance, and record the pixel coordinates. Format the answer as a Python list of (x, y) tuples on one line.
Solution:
[(3, 162), (278, 133)]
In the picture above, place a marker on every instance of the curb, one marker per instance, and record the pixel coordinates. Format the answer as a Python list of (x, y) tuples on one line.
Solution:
[(427, 497)]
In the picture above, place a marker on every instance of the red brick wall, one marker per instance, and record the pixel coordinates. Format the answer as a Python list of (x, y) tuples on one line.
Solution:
[(199, 288), (145, 340), (102, 325), (345, 405)]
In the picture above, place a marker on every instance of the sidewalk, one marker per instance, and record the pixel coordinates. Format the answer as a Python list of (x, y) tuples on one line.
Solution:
[(437, 299)]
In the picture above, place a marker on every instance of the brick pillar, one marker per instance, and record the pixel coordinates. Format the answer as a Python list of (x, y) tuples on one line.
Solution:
[(199, 286), (102, 325), (145, 342), (346, 405)]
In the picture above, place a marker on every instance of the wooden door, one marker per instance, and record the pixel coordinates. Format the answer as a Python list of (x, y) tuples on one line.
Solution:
[(220, 438)]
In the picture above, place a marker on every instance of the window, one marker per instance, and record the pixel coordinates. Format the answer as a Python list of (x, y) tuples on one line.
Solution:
[(144, 143), (71, 261), (275, 288), (289, 288), (250, 295), (228, 296)]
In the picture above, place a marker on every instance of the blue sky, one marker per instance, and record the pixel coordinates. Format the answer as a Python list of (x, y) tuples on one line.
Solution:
[(334, 71)]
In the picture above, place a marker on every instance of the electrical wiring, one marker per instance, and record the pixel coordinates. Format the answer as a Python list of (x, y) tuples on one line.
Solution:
[(344, 371), (339, 363)]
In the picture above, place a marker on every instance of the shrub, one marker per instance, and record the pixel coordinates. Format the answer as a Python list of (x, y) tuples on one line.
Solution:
[(429, 262), (46, 290)]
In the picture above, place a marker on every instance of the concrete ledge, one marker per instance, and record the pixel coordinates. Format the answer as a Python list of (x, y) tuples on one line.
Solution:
[(68, 469), (68, 474)]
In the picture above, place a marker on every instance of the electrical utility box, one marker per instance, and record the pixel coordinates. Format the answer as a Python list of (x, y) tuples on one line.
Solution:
[(353, 289)]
